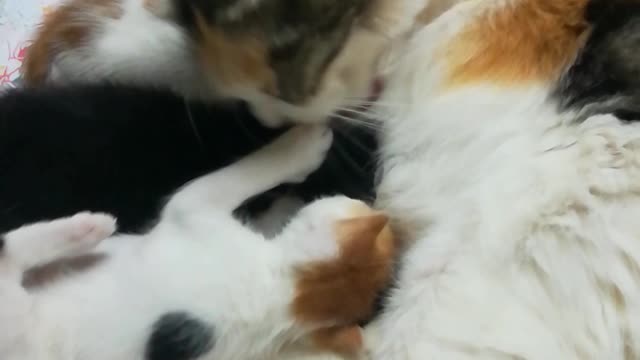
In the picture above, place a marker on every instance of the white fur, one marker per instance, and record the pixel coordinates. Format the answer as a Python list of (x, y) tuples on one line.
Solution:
[(197, 259), (522, 224), (136, 48)]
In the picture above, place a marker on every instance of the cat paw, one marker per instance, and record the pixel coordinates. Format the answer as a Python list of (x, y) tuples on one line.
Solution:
[(88, 229), (307, 149), (267, 116)]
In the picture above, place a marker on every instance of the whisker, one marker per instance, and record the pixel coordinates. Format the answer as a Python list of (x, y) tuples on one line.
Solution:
[(366, 114), (360, 122), (359, 144)]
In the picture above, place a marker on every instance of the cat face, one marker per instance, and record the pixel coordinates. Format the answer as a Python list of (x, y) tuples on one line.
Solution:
[(298, 67), (342, 252)]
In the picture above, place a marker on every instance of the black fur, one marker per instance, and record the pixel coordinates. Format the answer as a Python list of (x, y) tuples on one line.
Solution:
[(179, 336), (606, 76), (123, 151), (2, 242)]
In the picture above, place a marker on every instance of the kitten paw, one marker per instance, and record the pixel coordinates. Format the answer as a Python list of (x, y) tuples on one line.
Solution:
[(307, 147), (90, 228)]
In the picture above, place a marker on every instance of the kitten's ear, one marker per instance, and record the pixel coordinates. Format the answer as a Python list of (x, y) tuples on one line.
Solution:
[(345, 340), (343, 290), (364, 234)]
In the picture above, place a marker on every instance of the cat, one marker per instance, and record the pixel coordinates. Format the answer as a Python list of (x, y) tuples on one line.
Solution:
[(510, 155), (123, 151), (246, 298), (290, 68)]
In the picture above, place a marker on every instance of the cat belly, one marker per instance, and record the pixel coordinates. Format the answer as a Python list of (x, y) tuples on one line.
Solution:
[(535, 258)]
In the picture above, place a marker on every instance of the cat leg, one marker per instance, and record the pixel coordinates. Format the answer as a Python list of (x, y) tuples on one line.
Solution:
[(290, 158), (46, 241), (28, 246)]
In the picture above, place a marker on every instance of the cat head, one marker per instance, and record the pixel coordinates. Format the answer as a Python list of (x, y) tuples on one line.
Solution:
[(291, 60), (342, 254), (298, 68)]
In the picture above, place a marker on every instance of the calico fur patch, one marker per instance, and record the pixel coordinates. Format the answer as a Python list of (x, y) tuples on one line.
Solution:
[(283, 53), (66, 27), (355, 276), (519, 43)]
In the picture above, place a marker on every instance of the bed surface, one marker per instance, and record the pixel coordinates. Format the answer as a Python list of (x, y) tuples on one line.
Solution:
[(18, 20)]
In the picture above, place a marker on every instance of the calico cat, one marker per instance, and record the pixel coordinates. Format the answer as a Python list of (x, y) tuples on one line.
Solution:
[(511, 164), (246, 298), (123, 150), (298, 60)]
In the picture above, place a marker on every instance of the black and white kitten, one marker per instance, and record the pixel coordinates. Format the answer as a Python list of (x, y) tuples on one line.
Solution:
[(200, 285)]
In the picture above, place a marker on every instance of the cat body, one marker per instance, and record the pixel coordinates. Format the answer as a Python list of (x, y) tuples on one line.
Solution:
[(124, 151), (202, 285), (299, 68), (514, 185)]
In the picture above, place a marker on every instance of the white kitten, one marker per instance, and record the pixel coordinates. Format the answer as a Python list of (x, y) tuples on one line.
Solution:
[(200, 285)]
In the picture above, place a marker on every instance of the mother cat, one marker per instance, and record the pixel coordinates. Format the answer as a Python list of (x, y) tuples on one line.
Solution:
[(511, 159), (291, 60)]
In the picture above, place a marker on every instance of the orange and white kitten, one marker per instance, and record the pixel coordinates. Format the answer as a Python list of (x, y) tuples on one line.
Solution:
[(296, 61), (511, 163), (200, 285)]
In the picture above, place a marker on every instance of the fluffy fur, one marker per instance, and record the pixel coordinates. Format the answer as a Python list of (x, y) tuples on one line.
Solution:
[(515, 184), (299, 68), (123, 151), (516, 190), (245, 298)]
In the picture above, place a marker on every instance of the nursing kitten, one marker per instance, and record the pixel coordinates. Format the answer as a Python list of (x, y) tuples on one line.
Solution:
[(245, 298), (123, 151), (299, 60), (511, 162)]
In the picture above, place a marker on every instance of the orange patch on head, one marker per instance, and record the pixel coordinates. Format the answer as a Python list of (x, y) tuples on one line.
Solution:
[(342, 291), (63, 28), (235, 59), (521, 41)]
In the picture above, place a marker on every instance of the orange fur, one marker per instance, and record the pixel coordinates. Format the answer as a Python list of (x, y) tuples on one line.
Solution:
[(343, 290), (343, 340), (59, 30), (236, 59), (521, 42)]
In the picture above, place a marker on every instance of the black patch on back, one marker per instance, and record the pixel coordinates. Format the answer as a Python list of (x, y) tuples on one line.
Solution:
[(179, 336), (606, 75), (2, 242)]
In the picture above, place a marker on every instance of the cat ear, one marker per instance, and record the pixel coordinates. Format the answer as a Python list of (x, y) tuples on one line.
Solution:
[(343, 290), (361, 235), (345, 340)]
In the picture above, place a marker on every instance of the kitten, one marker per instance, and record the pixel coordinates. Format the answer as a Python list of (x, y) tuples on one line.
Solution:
[(123, 151), (511, 160), (245, 298), (300, 67)]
